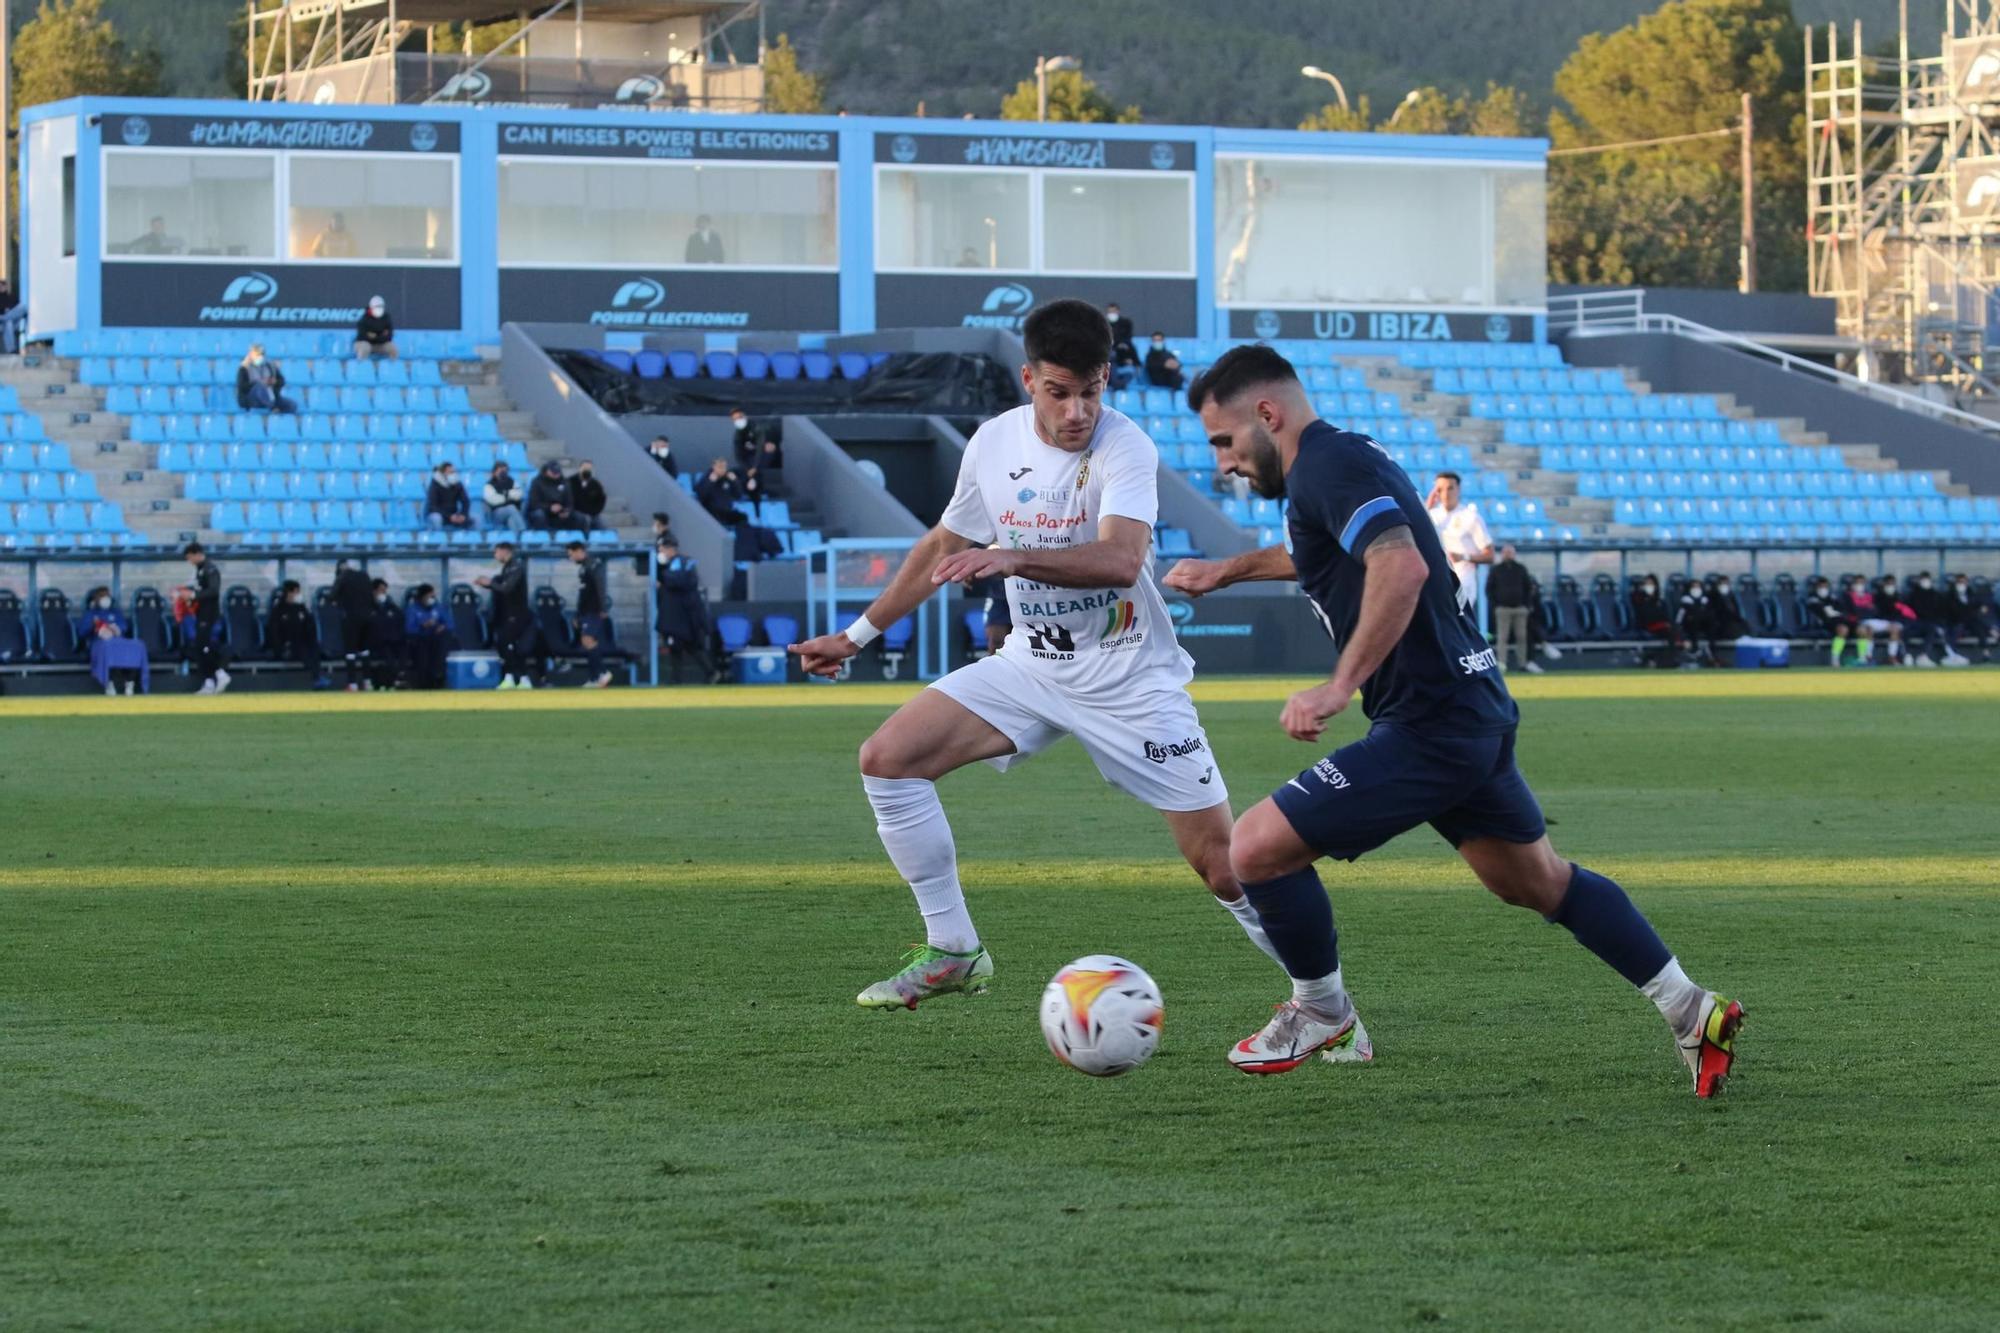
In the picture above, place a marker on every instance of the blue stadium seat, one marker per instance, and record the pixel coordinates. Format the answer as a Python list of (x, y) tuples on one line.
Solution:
[(753, 365), (619, 360), (854, 366), (720, 365), (786, 365), (650, 364)]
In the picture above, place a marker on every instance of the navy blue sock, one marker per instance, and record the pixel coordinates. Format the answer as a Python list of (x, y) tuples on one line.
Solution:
[(1298, 918), (1604, 921)]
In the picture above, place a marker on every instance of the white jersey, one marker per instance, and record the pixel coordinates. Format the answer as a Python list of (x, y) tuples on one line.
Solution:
[(1462, 533), (1015, 491)]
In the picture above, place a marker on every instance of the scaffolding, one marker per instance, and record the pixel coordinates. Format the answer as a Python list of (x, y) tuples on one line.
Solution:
[(578, 53)]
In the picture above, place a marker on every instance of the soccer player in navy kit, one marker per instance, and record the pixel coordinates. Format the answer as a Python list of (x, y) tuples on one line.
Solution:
[(1440, 748)]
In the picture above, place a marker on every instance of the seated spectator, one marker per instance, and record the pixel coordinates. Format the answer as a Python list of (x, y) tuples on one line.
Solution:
[(1824, 616), (292, 633), (683, 622), (718, 493), (1725, 619), (1694, 622), (1858, 606), (375, 335), (384, 638), (445, 502), (1163, 368), (260, 384), (549, 500), (1649, 617), (662, 451), (1123, 350), (1914, 634), (334, 240), (154, 240), (427, 639), (102, 620), (1970, 618), (592, 608), (759, 451), (1933, 621), (969, 258), (502, 496), (586, 497)]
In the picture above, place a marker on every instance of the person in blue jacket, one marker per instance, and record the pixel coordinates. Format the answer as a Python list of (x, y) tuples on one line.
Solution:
[(427, 638)]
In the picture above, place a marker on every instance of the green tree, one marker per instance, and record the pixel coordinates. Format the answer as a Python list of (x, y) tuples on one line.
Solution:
[(1501, 114), (69, 49), (1072, 97), (789, 90), (1427, 111), (1667, 214), (1358, 118)]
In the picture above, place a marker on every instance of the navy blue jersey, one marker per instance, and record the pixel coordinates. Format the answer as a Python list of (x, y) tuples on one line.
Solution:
[(1441, 676)]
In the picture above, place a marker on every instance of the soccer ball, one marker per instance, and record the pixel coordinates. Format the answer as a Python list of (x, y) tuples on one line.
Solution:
[(1102, 1015)]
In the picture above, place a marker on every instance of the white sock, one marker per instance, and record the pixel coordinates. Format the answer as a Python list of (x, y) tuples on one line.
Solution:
[(1678, 999), (1326, 996), (917, 836), (1253, 926)]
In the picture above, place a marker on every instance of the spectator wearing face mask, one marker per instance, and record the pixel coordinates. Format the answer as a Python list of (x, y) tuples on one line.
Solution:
[(446, 504), (1889, 602), (292, 634), (1858, 605), (514, 631), (760, 455), (1510, 589), (1725, 617), (353, 595), (502, 496), (1123, 353), (662, 452), (586, 497), (385, 637), (1931, 631), (1694, 620), (549, 505), (260, 385), (1825, 615), (1969, 618), (202, 640), (1650, 617), (682, 615), (1163, 368), (375, 335), (427, 638)]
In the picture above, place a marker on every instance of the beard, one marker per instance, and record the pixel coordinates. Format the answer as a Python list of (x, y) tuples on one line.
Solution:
[(1266, 473)]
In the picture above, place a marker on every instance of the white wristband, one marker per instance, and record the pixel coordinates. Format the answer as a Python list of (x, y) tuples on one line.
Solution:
[(862, 632)]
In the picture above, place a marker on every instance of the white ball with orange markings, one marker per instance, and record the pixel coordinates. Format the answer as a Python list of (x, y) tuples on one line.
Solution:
[(1102, 1015)]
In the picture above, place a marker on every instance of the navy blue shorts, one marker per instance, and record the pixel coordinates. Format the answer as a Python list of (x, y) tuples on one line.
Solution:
[(1392, 780)]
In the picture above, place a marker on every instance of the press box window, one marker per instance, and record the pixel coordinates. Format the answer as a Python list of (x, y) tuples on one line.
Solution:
[(952, 220), (1093, 222), (668, 213), (379, 208), (159, 204)]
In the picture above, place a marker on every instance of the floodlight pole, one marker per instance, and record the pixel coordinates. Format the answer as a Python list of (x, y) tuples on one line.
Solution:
[(1747, 254)]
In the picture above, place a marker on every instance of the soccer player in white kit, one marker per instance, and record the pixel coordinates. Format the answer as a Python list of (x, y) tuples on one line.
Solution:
[(1058, 497), (1462, 532)]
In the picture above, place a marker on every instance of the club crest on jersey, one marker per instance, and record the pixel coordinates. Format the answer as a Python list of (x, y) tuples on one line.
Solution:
[(1083, 472)]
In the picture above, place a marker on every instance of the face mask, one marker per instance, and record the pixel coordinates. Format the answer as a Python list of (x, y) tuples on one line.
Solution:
[(1722, 587), (1960, 587), (584, 473), (1652, 587), (381, 597), (1924, 584), (103, 603)]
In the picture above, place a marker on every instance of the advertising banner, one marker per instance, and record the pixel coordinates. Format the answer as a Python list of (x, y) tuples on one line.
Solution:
[(1335, 325), (993, 301), (1035, 150), (657, 300), (287, 133), (275, 296)]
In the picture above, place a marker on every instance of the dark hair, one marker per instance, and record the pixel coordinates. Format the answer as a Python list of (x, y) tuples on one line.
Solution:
[(290, 586), (662, 518), (1453, 475), (380, 583), (194, 548), (1071, 334), (576, 546), (423, 590), (1236, 370), (503, 546), (1159, 333)]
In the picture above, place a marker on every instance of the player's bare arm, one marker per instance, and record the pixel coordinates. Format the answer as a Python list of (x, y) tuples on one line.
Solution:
[(1395, 575), (908, 590), (1270, 564), (1115, 560)]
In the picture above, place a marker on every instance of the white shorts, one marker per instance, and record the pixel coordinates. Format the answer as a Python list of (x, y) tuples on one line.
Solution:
[(1878, 626), (1147, 741)]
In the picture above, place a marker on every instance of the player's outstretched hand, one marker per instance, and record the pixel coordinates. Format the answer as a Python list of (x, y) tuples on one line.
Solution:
[(823, 656), (1194, 577), (1306, 712)]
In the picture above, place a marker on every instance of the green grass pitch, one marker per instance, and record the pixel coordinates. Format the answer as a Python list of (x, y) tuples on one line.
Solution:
[(536, 1012)]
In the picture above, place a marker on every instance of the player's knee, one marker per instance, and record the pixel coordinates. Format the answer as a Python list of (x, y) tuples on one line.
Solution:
[(883, 758), (1254, 859)]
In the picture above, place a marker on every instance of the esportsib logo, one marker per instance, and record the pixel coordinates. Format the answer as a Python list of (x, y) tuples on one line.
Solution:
[(251, 288), (641, 88), (639, 294), (1004, 308)]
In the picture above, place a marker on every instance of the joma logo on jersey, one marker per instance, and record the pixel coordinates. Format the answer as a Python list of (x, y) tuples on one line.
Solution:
[(1159, 754), (1474, 663), (1327, 773)]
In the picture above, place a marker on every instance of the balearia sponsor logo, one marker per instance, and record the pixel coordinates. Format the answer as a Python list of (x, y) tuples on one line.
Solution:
[(252, 298), (1159, 754), (638, 303), (1073, 604)]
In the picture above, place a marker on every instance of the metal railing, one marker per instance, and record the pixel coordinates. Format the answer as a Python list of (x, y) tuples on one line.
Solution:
[(1599, 314)]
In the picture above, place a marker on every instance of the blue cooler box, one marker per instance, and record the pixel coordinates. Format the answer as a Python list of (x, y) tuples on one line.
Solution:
[(472, 671), (760, 666), (1763, 653)]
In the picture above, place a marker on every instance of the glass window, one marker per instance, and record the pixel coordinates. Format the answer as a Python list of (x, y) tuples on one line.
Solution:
[(1098, 223), (662, 213), (952, 219), (370, 207), (69, 206), (1316, 232), (190, 204)]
